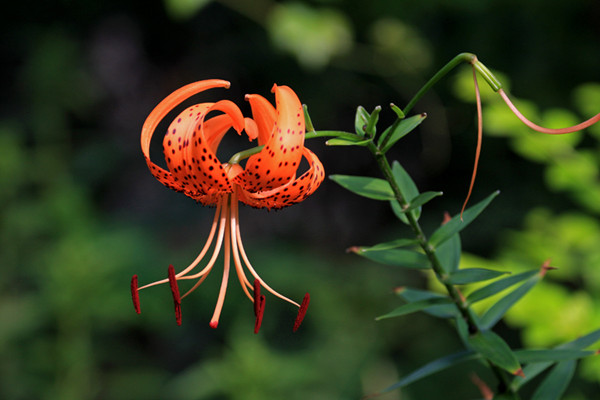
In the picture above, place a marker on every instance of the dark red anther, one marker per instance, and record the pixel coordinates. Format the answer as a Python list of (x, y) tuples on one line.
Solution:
[(302, 311), (259, 313), (256, 296), (175, 292), (135, 296)]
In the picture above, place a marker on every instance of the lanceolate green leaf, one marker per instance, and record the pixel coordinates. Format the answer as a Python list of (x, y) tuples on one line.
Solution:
[(408, 189), (495, 349), (431, 368), (497, 311), (373, 188), (441, 311), (472, 275), (398, 130), (397, 258), (532, 370), (449, 253), (404, 181), (346, 142), (498, 286), (555, 384), (422, 199), (456, 225), (527, 356), (385, 246), (416, 306)]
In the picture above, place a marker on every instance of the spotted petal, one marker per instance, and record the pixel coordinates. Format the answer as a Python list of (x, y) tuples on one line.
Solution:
[(156, 116), (292, 192), (190, 149), (277, 163)]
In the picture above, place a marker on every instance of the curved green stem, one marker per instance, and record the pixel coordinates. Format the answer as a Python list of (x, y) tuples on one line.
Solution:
[(337, 134), (237, 157), (459, 59)]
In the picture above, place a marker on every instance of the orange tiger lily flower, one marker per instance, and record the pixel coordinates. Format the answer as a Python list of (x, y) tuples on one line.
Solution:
[(268, 179)]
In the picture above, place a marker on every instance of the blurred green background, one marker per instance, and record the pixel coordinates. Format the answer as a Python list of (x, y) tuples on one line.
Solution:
[(80, 214)]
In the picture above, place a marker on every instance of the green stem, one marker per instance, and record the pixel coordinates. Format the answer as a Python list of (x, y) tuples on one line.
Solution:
[(237, 157), (337, 134), (469, 58), (429, 250)]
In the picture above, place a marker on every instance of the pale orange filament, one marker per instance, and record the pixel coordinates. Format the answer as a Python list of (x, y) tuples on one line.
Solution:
[(228, 234), (234, 246), (247, 262), (200, 256), (221, 299), (548, 131)]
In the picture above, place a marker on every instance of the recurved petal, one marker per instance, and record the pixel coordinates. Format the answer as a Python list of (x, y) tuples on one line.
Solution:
[(264, 114), (190, 149), (292, 192), (277, 163), (156, 116)]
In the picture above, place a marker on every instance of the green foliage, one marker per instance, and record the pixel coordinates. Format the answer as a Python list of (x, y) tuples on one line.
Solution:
[(441, 254)]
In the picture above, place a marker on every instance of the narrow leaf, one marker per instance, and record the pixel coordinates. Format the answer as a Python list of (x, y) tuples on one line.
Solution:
[(408, 189), (440, 311), (346, 142), (422, 199), (404, 181), (455, 225), (398, 130), (397, 258), (527, 356), (386, 246), (497, 311), (431, 368), (534, 369), (416, 306), (449, 254), (495, 349), (498, 286), (399, 212), (557, 381), (471, 275), (372, 188)]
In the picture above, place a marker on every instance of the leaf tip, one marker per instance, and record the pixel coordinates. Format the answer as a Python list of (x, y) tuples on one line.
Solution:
[(399, 289), (354, 249), (519, 373)]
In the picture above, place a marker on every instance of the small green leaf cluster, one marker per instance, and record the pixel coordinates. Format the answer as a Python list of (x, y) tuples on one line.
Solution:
[(440, 252)]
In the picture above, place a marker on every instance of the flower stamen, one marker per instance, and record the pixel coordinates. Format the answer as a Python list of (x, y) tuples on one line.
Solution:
[(302, 312), (135, 294), (175, 292)]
